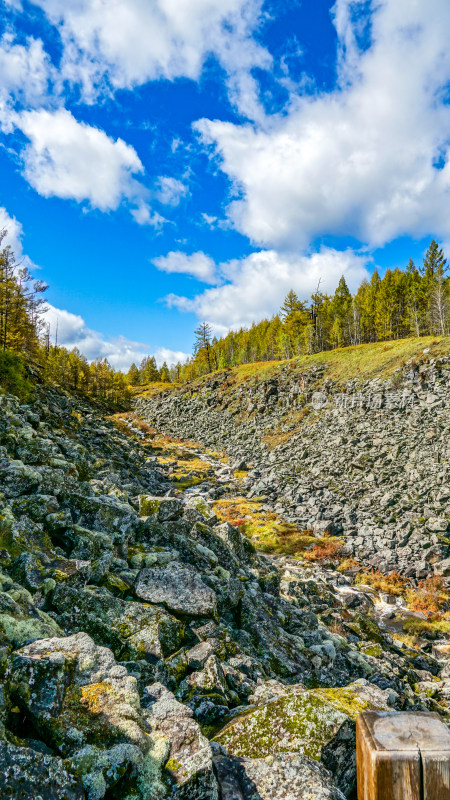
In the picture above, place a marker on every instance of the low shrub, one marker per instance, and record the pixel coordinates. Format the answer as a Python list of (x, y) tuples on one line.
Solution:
[(391, 584), (325, 551), (430, 597)]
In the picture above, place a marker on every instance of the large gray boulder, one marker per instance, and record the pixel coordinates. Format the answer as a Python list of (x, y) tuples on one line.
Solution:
[(162, 509), (288, 776), (318, 723), (179, 587)]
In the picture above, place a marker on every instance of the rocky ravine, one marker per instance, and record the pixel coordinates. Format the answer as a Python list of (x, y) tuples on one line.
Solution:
[(366, 460), (148, 651)]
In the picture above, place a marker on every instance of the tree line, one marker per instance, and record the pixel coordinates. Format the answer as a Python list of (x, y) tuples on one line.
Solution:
[(148, 372), (25, 337), (414, 301)]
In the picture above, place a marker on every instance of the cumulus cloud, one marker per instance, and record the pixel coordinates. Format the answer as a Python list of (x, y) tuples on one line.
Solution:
[(70, 159), (256, 286), (72, 331), (129, 42), (370, 159), (198, 265), (25, 69)]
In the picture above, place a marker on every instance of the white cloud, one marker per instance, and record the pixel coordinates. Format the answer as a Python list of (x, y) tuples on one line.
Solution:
[(257, 285), (14, 232), (145, 216), (130, 42), (170, 190), (70, 159), (360, 160), (209, 219), (170, 356), (198, 265), (25, 70), (72, 331), (14, 239)]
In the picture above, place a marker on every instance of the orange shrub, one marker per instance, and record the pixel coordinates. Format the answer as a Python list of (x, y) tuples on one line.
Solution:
[(393, 583), (324, 551), (429, 597)]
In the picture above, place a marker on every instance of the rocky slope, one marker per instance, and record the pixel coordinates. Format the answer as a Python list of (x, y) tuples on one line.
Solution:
[(147, 650), (367, 460)]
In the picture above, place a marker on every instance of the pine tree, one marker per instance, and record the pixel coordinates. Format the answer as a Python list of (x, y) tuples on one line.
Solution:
[(434, 259), (318, 327), (164, 374), (291, 304), (415, 298), (294, 317), (341, 315), (20, 304), (367, 301), (133, 376), (148, 370), (202, 344)]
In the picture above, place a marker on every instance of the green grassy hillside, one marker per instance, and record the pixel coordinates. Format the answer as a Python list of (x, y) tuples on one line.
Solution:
[(365, 361)]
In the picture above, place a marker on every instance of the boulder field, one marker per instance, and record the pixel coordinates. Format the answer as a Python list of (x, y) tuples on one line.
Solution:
[(149, 651), (367, 460)]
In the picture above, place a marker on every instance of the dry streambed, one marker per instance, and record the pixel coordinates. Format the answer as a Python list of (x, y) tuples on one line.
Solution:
[(416, 613)]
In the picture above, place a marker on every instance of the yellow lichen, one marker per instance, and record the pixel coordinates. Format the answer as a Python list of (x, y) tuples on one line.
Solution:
[(94, 695)]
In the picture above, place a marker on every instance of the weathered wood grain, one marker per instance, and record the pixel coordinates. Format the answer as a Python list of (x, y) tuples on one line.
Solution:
[(402, 756)]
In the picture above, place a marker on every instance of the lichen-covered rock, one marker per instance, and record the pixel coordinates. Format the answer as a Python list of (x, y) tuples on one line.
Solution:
[(162, 508), (318, 723), (198, 503), (17, 479), (21, 621), (26, 773), (197, 656), (132, 630), (90, 544), (85, 706), (36, 506), (32, 571), (104, 514), (205, 692), (179, 587), (189, 766), (238, 544), (288, 776)]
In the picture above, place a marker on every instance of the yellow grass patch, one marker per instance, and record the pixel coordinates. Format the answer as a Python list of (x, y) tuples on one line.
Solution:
[(265, 529)]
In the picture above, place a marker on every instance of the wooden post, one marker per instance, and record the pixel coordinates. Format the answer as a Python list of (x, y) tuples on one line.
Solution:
[(402, 756)]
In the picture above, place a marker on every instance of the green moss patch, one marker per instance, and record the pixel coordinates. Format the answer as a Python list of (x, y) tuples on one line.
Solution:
[(301, 723)]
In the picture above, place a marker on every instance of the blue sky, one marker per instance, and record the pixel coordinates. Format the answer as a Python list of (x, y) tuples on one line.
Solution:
[(169, 161)]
